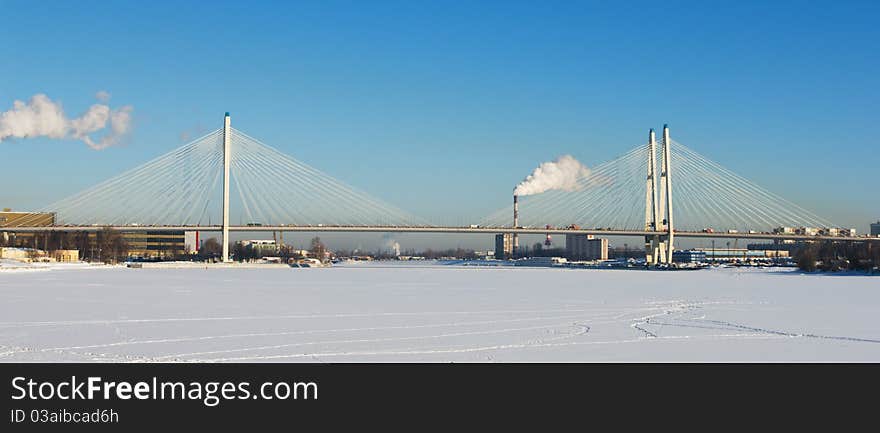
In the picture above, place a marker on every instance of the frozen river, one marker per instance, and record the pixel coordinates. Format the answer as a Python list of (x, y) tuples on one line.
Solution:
[(435, 313)]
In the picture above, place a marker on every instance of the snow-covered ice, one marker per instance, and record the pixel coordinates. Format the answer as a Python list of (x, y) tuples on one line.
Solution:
[(378, 312)]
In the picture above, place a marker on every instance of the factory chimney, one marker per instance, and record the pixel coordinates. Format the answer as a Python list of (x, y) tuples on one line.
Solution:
[(515, 222)]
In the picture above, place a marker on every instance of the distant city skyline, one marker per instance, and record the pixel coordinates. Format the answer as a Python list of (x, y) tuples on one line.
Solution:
[(441, 109)]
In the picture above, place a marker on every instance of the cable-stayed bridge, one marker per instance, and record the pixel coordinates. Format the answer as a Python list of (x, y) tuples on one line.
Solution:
[(198, 185)]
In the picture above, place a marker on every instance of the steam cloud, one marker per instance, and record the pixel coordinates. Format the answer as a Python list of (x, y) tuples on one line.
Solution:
[(42, 117), (563, 173), (390, 244)]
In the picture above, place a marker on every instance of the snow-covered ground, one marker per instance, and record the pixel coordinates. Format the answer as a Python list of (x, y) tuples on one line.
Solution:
[(377, 312)]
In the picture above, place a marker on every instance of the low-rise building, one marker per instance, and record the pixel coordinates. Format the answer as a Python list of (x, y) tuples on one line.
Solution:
[(66, 256), (540, 261), (689, 256), (261, 246), (741, 254), (779, 249), (17, 253), (37, 255)]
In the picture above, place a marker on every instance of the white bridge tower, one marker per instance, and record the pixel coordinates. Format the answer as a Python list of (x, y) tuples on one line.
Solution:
[(658, 206), (226, 157)]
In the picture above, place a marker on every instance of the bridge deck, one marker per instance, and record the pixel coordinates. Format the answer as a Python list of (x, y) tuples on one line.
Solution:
[(438, 229)]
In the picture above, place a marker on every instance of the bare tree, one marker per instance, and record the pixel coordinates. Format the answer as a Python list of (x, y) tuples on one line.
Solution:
[(211, 248), (318, 248), (807, 257), (111, 246)]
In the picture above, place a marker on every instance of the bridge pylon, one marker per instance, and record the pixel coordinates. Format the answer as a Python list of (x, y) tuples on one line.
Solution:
[(658, 206), (227, 153), (667, 187), (654, 251)]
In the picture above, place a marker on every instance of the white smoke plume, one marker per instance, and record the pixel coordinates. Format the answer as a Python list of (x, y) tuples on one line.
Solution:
[(42, 117), (563, 173), (391, 245)]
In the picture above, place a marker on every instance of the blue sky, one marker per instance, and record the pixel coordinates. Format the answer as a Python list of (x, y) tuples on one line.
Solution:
[(442, 107)]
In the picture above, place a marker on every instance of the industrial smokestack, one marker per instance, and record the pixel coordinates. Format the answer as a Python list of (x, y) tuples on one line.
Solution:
[(515, 222), (515, 210)]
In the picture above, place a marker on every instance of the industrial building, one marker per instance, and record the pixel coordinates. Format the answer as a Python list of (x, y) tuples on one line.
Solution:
[(741, 254), (875, 228), (504, 246), (261, 246), (155, 244), (784, 248), (689, 256), (145, 245), (8, 218), (586, 247)]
